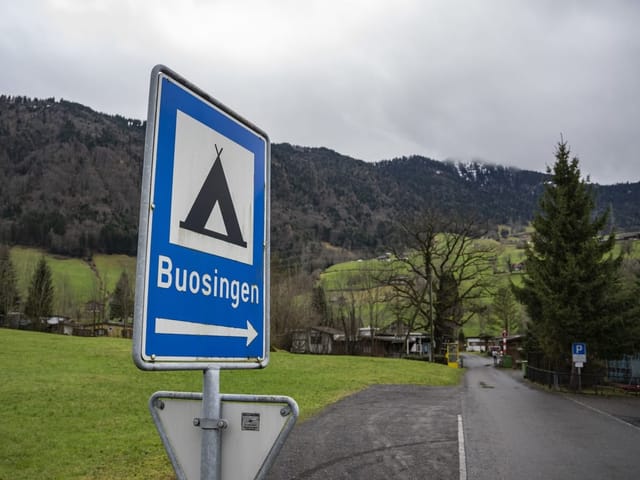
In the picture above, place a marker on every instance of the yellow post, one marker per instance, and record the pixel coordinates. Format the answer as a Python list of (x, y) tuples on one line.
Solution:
[(452, 355)]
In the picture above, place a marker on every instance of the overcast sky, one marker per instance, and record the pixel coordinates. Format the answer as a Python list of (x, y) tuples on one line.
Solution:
[(493, 80)]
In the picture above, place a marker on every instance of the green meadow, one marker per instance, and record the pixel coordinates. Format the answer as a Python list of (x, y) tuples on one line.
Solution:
[(75, 280), (76, 408), (354, 282)]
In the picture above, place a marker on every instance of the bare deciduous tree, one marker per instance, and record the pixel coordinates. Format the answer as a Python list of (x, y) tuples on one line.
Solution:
[(444, 274), (9, 297), (291, 305)]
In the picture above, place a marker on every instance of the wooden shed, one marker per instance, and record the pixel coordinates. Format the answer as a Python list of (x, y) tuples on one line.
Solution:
[(319, 340)]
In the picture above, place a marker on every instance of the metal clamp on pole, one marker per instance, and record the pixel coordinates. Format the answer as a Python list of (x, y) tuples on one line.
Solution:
[(210, 423)]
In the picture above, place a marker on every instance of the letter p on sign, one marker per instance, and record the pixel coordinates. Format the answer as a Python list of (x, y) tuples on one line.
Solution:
[(579, 352)]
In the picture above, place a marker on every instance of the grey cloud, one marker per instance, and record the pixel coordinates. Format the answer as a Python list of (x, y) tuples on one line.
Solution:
[(497, 80)]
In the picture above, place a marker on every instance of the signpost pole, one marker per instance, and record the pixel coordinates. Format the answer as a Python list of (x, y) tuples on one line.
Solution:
[(579, 379), (579, 357), (211, 425)]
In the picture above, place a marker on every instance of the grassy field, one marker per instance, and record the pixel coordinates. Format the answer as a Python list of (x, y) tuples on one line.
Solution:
[(355, 280), (75, 281), (70, 273), (76, 408), (110, 267)]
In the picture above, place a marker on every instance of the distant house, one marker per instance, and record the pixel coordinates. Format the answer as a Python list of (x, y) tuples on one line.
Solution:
[(476, 344), (103, 329), (390, 342), (515, 347), (397, 341), (319, 340), (484, 342), (60, 325)]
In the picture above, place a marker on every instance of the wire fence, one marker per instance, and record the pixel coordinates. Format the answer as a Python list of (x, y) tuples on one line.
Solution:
[(599, 383), (572, 380)]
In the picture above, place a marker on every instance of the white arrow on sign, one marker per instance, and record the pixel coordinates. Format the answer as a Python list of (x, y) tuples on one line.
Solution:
[(182, 327)]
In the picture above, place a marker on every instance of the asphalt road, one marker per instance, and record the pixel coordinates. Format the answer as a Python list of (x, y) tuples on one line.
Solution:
[(516, 430), (494, 426), (384, 432)]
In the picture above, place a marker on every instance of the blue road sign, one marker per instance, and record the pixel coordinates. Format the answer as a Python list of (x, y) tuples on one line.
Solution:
[(579, 352), (203, 251), (579, 348)]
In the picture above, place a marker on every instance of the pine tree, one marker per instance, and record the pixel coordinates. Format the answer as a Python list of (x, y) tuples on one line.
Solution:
[(9, 296), (505, 311), (571, 284), (121, 306), (40, 298)]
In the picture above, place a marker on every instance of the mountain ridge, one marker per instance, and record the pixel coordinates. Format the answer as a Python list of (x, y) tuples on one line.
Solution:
[(72, 178)]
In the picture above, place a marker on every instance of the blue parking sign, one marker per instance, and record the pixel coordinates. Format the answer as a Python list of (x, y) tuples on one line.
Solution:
[(579, 352)]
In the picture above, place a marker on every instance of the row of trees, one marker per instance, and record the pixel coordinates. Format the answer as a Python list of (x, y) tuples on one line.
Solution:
[(574, 287), (39, 303), (441, 278), (573, 290)]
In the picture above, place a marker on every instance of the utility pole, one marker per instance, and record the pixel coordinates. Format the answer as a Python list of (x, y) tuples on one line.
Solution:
[(431, 326)]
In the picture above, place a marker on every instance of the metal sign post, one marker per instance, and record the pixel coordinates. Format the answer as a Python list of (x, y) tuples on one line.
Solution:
[(579, 358), (211, 424)]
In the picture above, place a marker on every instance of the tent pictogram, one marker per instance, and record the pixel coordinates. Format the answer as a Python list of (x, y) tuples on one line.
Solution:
[(215, 190)]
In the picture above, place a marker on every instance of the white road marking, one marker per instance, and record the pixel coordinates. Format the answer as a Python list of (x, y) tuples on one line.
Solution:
[(461, 453), (601, 412)]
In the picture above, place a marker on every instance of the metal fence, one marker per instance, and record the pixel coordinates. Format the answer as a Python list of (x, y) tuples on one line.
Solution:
[(624, 370), (570, 380)]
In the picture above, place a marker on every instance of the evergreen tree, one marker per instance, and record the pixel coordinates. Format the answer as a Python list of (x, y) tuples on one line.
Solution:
[(9, 296), (121, 306), (505, 311), (571, 286), (319, 303), (40, 298)]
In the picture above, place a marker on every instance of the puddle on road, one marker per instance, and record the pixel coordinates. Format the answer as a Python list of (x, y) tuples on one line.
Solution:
[(484, 385)]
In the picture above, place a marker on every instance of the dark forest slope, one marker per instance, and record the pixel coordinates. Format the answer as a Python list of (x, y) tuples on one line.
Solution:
[(71, 184)]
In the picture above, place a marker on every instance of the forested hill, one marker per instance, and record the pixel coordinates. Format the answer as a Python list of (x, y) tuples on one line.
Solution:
[(71, 184)]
